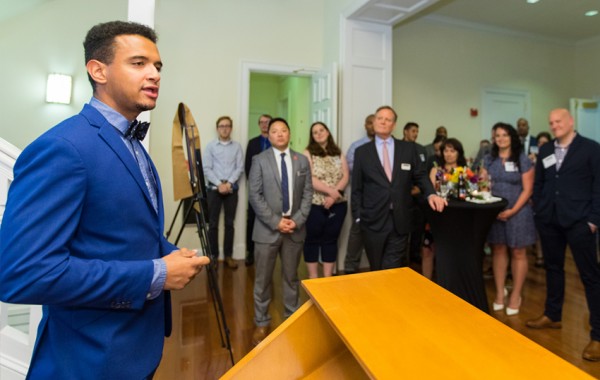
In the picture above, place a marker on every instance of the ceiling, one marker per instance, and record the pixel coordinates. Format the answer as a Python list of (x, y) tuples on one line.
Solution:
[(560, 20)]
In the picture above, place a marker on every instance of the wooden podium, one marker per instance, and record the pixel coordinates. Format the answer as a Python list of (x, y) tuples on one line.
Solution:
[(395, 324)]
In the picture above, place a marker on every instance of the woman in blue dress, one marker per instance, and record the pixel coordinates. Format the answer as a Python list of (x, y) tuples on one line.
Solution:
[(511, 173)]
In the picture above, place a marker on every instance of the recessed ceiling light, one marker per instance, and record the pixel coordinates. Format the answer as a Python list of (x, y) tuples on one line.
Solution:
[(532, 1), (591, 13)]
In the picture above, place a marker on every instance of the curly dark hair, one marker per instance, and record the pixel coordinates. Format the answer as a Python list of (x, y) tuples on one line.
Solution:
[(316, 150), (457, 145), (99, 41), (515, 142)]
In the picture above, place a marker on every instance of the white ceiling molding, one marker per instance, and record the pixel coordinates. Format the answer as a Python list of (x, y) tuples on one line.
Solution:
[(389, 12)]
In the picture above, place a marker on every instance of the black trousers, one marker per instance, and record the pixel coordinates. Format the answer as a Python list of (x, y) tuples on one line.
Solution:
[(387, 248), (228, 202), (250, 217), (354, 248), (583, 244)]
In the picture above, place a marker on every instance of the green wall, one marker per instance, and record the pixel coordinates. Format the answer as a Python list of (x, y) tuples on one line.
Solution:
[(281, 96)]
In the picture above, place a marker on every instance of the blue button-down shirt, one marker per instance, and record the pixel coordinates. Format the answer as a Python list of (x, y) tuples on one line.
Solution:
[(122, 124), (223, 161)]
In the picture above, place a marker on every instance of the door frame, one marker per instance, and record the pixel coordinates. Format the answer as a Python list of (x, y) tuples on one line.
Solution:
[(249, 67)]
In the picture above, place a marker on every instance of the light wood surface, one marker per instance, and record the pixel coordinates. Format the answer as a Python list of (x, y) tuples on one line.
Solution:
[(304, 346), (194, 350), (397, 323)]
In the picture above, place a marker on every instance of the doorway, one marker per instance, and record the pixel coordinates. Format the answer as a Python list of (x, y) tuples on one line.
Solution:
[(286, 96), (501, 105)]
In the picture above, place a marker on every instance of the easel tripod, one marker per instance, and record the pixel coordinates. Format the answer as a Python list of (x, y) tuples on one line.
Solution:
[(198, 206)]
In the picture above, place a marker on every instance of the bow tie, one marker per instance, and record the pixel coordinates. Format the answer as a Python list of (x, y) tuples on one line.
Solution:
[(137, 130)]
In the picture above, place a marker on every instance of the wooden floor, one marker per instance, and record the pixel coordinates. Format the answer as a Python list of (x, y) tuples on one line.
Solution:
[(194, 350)]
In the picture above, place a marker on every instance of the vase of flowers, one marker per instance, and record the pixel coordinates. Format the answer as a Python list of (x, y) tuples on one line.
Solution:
[(461, 183)]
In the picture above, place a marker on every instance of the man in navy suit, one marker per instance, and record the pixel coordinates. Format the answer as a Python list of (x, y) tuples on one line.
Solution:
[(385, 171), (528, 142), (566, 200), (82, 234)]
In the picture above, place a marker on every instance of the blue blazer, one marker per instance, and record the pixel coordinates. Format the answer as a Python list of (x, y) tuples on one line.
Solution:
[(573, 192), (78, 236)]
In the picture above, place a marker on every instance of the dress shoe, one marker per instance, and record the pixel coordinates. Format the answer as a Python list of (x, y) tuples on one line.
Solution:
[(500, 306), (592, 351), (249, 259), (230, 262), (510, 311), (260, 333), (543, 322)]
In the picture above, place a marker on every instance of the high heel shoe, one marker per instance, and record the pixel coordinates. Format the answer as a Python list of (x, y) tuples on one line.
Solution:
[(499, 306), (511, 311)]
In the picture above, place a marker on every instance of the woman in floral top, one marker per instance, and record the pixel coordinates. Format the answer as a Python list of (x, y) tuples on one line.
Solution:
[(329, 204)]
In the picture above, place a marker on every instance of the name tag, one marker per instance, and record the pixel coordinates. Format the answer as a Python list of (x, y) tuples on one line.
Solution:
[(510, 166), (549, 161), (405, 166)]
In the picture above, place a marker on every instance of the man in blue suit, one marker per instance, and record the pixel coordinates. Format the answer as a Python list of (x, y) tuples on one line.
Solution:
[(566, 200), (82, 233)]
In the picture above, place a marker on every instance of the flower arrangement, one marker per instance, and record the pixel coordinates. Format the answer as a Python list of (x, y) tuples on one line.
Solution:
[(457, 172), (449, 183)]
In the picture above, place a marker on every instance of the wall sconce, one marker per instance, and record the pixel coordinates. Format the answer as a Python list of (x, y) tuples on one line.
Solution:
[(58, 89)]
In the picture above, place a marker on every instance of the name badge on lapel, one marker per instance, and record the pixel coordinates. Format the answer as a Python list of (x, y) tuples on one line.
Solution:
[(549, 161), (405, 166), (510, 166)]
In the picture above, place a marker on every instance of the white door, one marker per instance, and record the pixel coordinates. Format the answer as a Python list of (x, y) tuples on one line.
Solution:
[(586, 114), (324, 98), (500, 105), (18, 323)]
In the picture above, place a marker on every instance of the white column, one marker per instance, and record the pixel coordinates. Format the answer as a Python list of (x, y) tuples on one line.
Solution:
[(142, 11)]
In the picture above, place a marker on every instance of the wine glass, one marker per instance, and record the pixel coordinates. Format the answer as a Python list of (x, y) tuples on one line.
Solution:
[(444, 189)]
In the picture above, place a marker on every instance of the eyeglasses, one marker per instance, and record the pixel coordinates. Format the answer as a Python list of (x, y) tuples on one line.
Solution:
[(224, 126)]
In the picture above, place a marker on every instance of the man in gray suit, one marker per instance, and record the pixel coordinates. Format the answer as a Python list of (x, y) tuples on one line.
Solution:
[(280, 194)]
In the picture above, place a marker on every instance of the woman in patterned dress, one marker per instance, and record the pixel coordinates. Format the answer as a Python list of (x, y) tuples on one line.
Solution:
[(511, 173), (329, 205)]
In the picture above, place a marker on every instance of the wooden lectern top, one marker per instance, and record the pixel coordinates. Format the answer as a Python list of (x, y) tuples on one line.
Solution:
[(395, 324)]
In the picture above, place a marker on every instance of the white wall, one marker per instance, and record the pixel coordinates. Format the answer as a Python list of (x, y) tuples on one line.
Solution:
[(440, 71), (587, 72), (47, 39)]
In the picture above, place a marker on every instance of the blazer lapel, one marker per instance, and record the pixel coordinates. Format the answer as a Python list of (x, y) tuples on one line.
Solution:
[(272, 162), (397, 160), (112, 138), (571, 151)]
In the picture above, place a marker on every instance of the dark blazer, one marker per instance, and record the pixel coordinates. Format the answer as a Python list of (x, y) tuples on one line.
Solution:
[(532, 143), (266, 198), (574, 190), (372, 192), (252, 150), (78, 237)]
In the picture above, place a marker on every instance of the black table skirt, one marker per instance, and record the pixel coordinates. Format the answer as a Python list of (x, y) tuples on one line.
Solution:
[(459, 233)]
